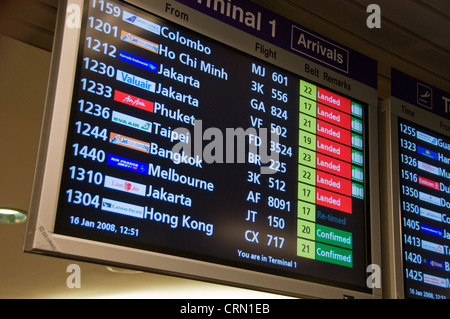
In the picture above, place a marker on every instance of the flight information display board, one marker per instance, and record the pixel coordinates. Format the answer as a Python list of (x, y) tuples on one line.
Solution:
[(424, 187), (425, 202), (180, 145)]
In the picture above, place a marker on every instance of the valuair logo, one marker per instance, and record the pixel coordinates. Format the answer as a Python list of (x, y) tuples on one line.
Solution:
[(133, 101), (138, 61), (141, 23), (139, 42), (136, 81), (319, 49)]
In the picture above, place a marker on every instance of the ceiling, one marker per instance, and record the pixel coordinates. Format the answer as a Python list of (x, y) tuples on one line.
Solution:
[(414, 38)]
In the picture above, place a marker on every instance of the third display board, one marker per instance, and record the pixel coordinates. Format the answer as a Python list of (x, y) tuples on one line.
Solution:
[(419, 256)]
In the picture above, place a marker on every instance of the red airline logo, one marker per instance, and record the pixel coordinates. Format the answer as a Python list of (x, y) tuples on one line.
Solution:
[(429, 183), (133, 101)]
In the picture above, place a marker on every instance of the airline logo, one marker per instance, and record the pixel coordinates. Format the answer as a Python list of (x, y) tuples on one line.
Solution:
[(128, 164), (141, 22), (133, 101), (139, 42), (334, 201), (427, 138), (430, 198), (117, 207), (124, 185), (430, 214), (435, 281), (431, 230), (423, 151), (135, 81), (129, 142), (428, 168), (428, 245), (435, 264), (429, 183), (138, 61), (131, 121), (333, 100)]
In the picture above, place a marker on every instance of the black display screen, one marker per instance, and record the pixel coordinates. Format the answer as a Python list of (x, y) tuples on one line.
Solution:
[(182, 145), (425, 206)]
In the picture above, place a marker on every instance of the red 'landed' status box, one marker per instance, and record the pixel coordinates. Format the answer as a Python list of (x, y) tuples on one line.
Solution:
[(334, 149), (334, 183), (333, 100), (334, 201), (334, 132), (334, 116), (333, 166)]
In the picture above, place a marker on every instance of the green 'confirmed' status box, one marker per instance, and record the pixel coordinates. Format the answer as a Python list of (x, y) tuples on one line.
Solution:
[(334, 236)]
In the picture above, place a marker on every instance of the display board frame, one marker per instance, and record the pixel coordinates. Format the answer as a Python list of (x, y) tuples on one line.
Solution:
[(393, 111), (40, 237)]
